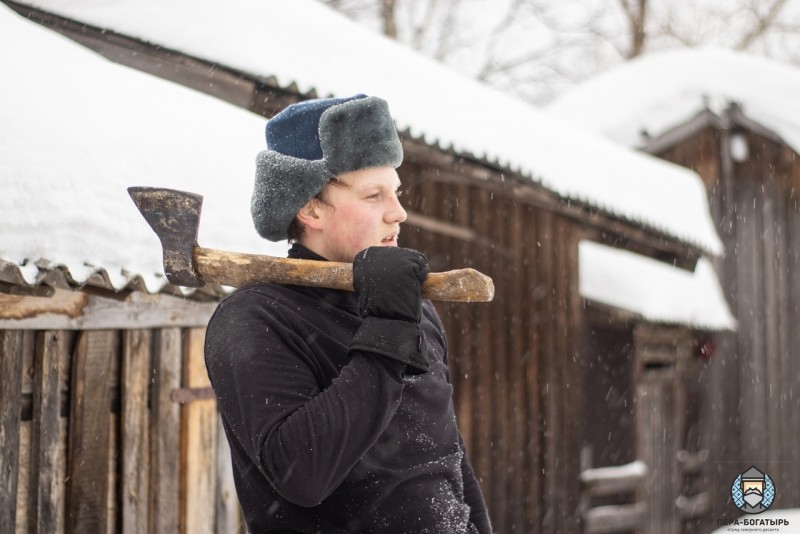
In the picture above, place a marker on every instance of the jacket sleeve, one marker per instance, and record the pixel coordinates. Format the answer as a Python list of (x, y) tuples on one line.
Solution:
[(303, 439)]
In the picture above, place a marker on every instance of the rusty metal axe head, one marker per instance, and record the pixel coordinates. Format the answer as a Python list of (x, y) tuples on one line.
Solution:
[(175, 218)]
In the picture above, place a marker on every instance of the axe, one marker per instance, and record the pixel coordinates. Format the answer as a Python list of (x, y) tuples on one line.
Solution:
[(175, 218)]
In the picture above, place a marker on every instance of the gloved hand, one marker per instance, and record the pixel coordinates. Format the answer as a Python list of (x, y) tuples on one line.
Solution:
[(387, 282)]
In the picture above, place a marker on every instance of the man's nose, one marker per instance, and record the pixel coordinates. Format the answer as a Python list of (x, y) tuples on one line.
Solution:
[(396, 213)]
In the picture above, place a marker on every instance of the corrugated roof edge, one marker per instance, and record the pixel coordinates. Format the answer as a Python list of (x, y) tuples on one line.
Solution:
[(508, 167), (58, 276)]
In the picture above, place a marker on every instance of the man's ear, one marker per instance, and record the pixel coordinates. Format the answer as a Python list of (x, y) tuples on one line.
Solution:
[(310, 215)]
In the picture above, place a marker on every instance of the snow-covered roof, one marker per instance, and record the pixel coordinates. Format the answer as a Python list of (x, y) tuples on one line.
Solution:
[(659, 91), (303, 42), (77, 130), (652, 289)]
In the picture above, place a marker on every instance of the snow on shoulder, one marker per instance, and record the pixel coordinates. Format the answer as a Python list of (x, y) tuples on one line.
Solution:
[(305, 43), (78, 130)]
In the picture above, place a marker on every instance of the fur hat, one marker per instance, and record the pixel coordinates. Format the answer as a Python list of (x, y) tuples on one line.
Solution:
[(311, 142)]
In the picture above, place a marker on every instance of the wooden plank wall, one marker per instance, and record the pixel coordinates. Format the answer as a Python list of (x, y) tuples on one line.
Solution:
[(514, 362), (755, 374), (92, 440), (768, 297)]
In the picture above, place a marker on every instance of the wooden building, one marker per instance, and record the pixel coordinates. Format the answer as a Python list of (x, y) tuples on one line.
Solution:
[(754, 195), (733, 119), (522, 366)]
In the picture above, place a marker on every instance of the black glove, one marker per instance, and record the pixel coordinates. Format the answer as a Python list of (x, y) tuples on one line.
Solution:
[(387, 282)]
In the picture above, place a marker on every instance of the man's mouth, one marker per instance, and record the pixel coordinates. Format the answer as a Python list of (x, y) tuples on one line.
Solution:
[(391, 239)]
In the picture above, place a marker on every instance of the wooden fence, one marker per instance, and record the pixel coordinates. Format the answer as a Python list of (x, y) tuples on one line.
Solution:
[(620, 483), (111, 431)]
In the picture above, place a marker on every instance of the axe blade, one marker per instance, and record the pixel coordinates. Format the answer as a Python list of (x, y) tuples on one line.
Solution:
[(175, 218)]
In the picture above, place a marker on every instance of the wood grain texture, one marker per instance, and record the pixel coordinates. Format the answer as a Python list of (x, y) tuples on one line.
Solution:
[(134, 431), (165, 427), (199, 442), (46, 492), (10, 392), (90, 436)]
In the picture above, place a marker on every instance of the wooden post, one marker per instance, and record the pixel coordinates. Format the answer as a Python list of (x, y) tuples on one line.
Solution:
[(165, 431), (134, 431), (199, 440), (10, 393), (90, 434), (46, 497)]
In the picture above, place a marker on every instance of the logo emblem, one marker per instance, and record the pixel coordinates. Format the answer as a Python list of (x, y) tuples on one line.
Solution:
[(753, 491)]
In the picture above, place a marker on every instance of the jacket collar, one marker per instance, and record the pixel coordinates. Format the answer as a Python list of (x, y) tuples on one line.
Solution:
[(298, 251), (345, 300)]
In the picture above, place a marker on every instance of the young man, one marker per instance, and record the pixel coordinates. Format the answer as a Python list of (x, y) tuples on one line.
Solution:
[(337, 405)]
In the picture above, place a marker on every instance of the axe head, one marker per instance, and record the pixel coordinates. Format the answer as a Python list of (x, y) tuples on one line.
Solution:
[(175, 218)]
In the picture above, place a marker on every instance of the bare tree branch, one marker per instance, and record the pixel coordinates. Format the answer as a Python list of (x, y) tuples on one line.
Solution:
[(535, 48), (448, 29), (489, 64), (388, 17), (636, 15), (765, 22)]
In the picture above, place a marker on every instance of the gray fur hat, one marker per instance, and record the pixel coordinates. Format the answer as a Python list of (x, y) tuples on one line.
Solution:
[(311, 142)]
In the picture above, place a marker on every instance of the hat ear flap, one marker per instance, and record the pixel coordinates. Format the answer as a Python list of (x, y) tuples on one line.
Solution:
[(283, 185)]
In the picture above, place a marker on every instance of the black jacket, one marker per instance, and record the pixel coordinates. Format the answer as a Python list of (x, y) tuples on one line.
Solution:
[(326, 442)]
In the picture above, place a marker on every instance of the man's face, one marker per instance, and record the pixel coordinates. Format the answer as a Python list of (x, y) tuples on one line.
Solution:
[(360, 211)]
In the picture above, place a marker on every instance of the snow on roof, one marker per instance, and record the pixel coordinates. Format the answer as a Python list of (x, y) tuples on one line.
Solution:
[(305, 43), (659, 91), (636, 469), (652, 289), (78, 130)]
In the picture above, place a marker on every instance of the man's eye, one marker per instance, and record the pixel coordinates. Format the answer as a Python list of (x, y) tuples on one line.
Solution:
[(398, 193)]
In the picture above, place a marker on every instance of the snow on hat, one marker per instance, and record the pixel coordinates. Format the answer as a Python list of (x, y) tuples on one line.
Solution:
[(310, 143)]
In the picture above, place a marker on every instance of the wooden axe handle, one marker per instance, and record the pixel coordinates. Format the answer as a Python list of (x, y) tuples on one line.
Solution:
[(236, 269)]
